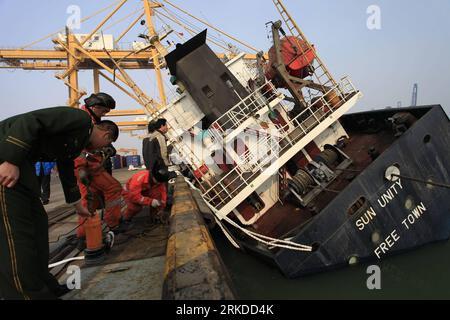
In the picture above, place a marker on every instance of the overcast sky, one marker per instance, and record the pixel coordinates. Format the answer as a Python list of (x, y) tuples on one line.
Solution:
[(411, 46)]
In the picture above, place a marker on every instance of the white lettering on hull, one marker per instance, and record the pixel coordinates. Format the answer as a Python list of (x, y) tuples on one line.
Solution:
[(387, 244), (387, 197), (390, 194), (368, 216), (414, 216), (390, 241)]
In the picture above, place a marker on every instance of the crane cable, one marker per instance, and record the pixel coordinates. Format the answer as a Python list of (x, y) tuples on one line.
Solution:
[(164, 22), (211, 26), (190, 27), (121, 19), (192, 32), (62, 30)]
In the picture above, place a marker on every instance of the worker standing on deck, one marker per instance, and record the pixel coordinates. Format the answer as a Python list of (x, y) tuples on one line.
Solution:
[(145, 189), (90, 165), (44, 172), (155, 152), (98, 105), (55, 134), (154, 147)]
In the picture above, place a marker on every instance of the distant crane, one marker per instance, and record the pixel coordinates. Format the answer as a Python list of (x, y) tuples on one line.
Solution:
[(414, 95), (100, 53)]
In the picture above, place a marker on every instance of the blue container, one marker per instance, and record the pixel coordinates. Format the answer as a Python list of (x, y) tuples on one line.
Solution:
[(134, 160), (117, 162), (124, 162)]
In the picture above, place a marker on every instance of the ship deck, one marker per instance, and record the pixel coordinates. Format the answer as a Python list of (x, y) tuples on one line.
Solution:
[(283, 219)]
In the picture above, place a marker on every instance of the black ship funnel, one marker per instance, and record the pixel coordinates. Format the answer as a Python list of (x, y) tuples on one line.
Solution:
[(210, 83)]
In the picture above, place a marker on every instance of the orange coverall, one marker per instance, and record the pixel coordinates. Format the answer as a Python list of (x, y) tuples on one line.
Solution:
[(137, 193), (103, 186)]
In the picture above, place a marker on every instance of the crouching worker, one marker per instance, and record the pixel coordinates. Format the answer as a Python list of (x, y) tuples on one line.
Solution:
[(55, 134), (98, 190), (145, 189)]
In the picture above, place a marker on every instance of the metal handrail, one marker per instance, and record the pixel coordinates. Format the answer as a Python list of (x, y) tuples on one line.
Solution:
[(344, 87), (242, 108)]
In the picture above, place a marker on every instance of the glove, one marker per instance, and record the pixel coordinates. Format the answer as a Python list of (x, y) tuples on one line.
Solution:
[(109, 151), (82, 211), (155, 203)]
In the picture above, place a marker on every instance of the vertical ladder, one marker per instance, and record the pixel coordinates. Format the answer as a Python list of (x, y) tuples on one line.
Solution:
[(321, 73)]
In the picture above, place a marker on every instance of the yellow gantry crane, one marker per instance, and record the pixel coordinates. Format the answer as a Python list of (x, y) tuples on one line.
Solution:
[(72, 55), (125, 151)]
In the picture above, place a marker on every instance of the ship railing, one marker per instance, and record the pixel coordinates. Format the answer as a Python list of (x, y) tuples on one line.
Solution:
[(259, 155), (243, 113), (319, 108), (243, 174), (246, 108), (248, 165)]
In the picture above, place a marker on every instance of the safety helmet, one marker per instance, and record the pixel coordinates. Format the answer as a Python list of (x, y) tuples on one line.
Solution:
[(100, 99)]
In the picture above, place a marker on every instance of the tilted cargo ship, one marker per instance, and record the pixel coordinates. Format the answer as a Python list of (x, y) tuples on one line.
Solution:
[(289, 174)]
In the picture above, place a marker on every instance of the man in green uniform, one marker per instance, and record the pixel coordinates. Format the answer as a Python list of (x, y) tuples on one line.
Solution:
[(55, 134)]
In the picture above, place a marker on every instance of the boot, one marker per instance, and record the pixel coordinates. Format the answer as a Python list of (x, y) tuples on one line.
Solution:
[(119, 236), (123, 227)]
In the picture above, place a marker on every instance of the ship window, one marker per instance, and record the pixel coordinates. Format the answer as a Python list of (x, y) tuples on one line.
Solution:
[(359, 206), (427, 139), (207, 91)]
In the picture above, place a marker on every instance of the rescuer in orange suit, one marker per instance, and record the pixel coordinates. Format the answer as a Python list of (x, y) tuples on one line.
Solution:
[(98, 105), (145, 190), (91, 166)]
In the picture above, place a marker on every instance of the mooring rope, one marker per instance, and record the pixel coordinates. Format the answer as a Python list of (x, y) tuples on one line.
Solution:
[(269, 241)]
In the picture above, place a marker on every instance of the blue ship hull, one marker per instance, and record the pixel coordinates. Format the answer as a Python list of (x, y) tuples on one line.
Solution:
[(389, 217)]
